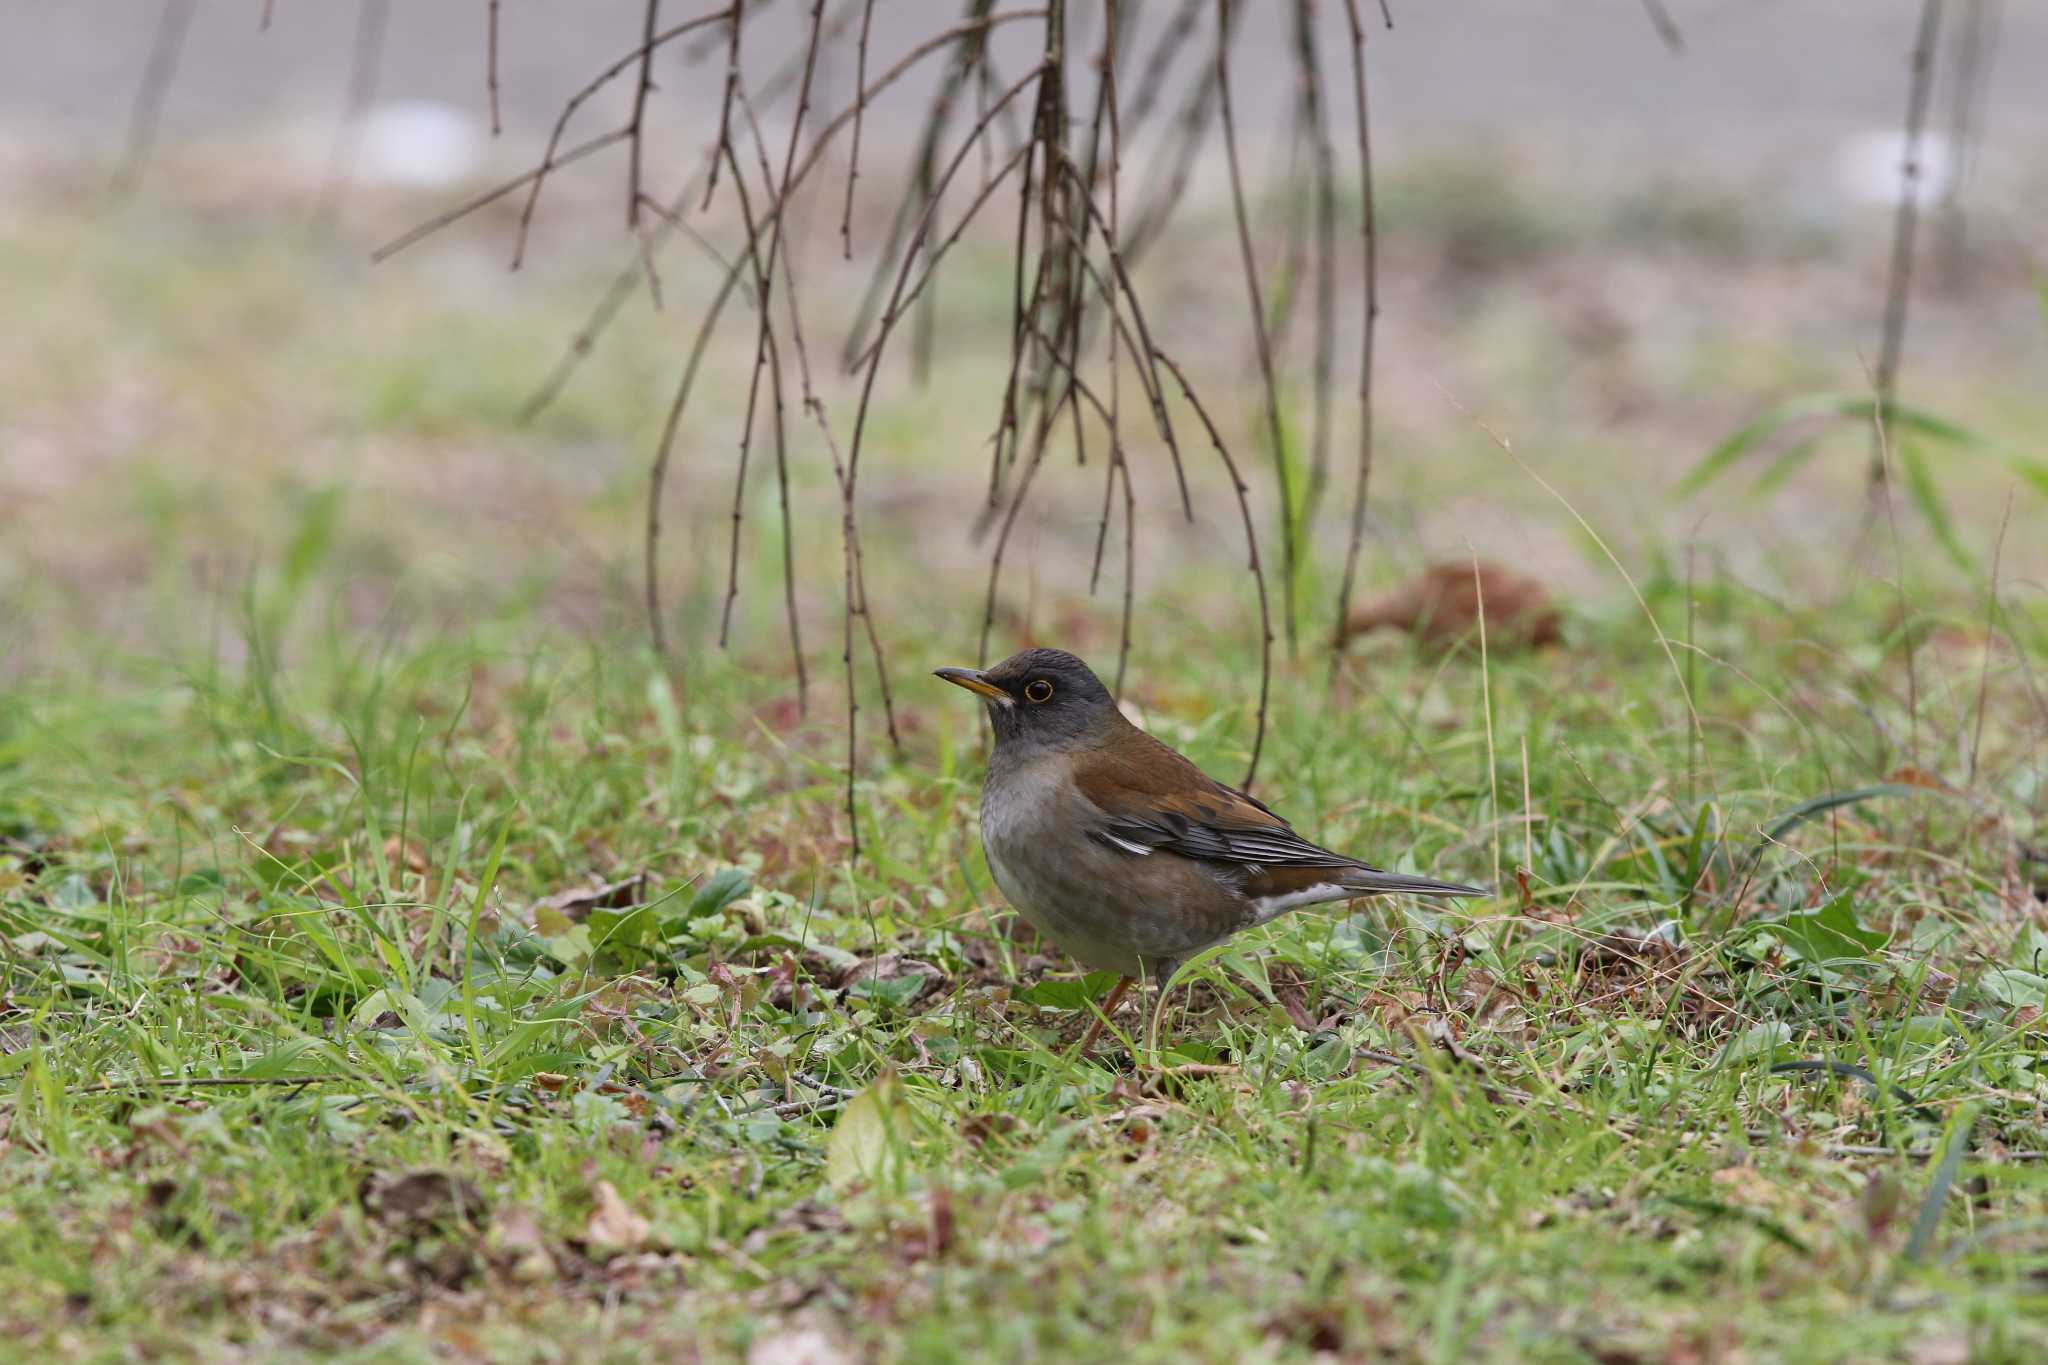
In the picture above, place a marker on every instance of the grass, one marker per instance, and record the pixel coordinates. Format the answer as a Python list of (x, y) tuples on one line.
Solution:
[(306, 1058), (394, 965)]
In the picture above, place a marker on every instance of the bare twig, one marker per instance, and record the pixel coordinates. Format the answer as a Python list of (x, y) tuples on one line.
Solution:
[(1660, 19), (1976, 45), (658, 472), (490, 66), (657, 478), (803, 105), (1324, 160), (636, 126), (1283, 478), (617, 291), (1907, 220), (917, 197), (173, 22), (414, 235), (1370, 240), (735, 15), (549, 161), (1251, 540), (621, 287), (860, 82)]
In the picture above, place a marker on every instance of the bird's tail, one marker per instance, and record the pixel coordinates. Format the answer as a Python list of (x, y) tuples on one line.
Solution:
[(1371, 881)]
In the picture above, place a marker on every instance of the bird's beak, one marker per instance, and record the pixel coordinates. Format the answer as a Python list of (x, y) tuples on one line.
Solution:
[(974, 680)]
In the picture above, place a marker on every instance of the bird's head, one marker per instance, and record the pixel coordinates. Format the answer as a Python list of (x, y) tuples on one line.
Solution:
[(1039, 697)]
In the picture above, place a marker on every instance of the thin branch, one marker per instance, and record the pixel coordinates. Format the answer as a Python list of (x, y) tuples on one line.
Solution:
[(621, 287), (173, 22), (1660, 19), (490, 67), (732, 80), (1251, 540), (1142, 350), (1976, 45), (446, 218), (917, 195), (860, 81), (1369, 234), (1282, 477), (803, 105), (1317, 119), (764, 347), (657, 478), (576, 101), (1906, 223), (637, 124)]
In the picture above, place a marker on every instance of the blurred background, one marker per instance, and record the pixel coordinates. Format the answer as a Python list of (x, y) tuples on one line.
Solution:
[(1611, 235)]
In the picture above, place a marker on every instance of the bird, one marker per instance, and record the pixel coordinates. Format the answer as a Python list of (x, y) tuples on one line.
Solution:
[(1119, 849)]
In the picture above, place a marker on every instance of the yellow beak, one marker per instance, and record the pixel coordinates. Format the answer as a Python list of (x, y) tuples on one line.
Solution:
[(974, 680)]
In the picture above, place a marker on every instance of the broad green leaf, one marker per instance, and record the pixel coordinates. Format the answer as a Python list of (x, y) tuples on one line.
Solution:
[(1066, 992), (869, 1143), (1830, 934), (721, 890)]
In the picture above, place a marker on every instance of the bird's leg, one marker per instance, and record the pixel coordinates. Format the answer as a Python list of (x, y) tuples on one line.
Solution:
[(1109, 1004)]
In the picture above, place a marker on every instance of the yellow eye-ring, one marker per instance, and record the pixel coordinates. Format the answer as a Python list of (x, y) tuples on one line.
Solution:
[(1038, 689)]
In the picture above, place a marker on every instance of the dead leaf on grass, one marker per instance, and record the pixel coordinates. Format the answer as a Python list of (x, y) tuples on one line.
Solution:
[(612, 1226), (420, 1199)]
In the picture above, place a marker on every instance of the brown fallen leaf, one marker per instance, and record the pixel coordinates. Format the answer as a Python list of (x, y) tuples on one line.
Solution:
[(577, 902), (404, 854), (419, 1199), (1441, 608), (612, 1226)]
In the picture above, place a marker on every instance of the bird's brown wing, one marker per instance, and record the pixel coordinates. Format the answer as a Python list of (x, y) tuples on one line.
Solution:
[(1154, 800)]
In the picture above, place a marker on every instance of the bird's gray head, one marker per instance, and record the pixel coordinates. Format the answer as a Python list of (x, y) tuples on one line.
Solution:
[(1041, 697)]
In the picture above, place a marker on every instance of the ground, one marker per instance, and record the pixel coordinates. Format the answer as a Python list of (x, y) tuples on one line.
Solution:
[(401, 963)]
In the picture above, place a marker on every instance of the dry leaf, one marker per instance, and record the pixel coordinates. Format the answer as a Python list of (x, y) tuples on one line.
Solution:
[(613, 1227), (1441, 608), (420, 1198)]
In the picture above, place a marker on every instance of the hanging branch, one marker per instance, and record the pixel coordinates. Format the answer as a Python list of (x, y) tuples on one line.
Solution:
[(621, 287), (1282, 477), (635, 125), (860, 80), (1251, 540), (803, 105), (1660, 19), (1317, 119), (1369, 235), (1173, 166), (549, 161), (1178, 30), (1905, 224), (1976, 46), (917, 196), (1119, 465), (490, 63), (732, 80)]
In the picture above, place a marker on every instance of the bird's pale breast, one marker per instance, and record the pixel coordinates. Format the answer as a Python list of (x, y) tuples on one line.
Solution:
[(1110, 909)]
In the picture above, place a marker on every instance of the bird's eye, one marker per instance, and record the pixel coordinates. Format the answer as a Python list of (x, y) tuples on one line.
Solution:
[(1038, 689)]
